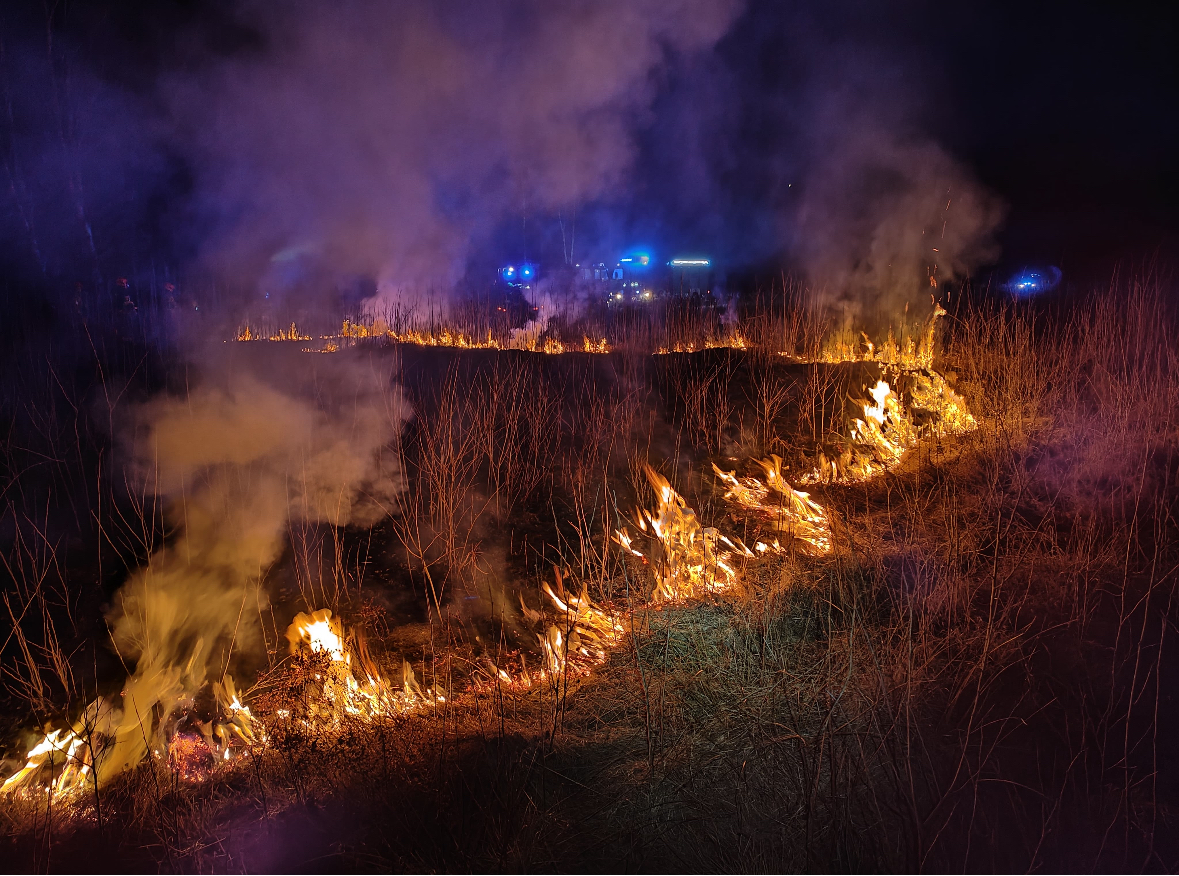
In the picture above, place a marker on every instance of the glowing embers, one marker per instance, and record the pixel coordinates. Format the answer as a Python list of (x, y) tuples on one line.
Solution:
[(790, 511), (330, 690), (196, 747), (688, 559)]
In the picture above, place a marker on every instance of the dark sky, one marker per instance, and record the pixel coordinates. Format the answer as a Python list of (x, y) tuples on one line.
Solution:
[(763, 131), (1069, 111)]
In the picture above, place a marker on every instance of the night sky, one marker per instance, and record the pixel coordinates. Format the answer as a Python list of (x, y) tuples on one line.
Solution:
[(1067, 111)]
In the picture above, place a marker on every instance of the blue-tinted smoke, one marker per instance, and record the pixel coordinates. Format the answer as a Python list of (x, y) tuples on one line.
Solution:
[(345, 150)]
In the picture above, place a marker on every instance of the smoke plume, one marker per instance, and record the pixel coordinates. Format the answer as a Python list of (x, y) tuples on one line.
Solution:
[(391, 140), (885, 218), (318, 155), (236, 459)]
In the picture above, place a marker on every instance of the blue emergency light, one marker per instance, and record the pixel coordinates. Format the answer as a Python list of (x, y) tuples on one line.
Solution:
[(1032, 281)]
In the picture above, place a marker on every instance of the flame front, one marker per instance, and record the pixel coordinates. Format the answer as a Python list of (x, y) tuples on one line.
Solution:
[(246, 333), (878, 439), (732, 341), (908, 402), (111, 737), (320, 634), (351, 331), (336, 693), (582, 634), (791, 511), (688, 559), (61, 758)]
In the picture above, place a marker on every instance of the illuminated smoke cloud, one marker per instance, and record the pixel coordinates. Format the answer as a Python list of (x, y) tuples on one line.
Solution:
[(388, 140), (236, 459), (882, 212)]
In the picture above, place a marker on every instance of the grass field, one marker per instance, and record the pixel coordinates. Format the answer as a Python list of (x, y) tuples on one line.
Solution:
[(970, 673)]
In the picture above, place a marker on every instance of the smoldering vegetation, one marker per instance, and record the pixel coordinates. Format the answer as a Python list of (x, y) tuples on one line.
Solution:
[(976, 675), (207, 485), (233, 462)]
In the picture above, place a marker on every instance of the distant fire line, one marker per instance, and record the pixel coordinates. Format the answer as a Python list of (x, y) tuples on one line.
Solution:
[(351, 332)]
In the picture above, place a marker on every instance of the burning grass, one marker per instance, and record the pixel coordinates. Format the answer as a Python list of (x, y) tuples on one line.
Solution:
[(532, 340), (957, 632)]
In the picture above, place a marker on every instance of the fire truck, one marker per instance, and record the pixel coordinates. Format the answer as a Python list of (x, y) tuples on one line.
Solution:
[(519, 276), (638, 278), (634, 279)]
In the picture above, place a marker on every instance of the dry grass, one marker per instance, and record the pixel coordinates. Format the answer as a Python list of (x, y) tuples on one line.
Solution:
[(974, 678)]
